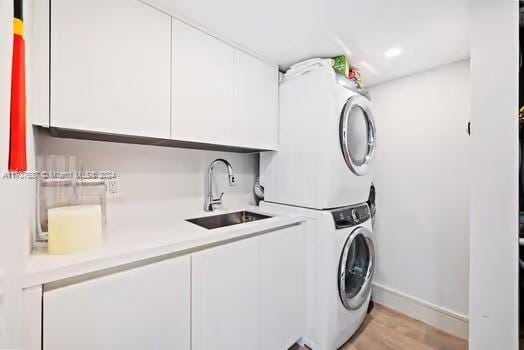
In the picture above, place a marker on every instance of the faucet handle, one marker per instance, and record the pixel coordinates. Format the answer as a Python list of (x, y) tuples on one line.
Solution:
[(217, 200)]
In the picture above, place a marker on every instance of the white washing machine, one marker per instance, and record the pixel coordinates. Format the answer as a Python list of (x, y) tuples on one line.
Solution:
[(326, 142), (341, 262)]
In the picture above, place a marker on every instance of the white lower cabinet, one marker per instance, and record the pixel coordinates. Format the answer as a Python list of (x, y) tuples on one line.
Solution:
[(250, 294), (146, 307), (225, 297), (282, 288)]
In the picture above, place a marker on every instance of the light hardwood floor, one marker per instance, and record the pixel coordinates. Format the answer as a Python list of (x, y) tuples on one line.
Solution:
[(385, 329)]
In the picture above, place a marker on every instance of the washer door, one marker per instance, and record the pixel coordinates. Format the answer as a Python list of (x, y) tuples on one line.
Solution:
[(356, 268), (357, 134)]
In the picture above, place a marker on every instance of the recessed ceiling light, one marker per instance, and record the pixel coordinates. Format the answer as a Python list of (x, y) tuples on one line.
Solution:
[(393, 52)]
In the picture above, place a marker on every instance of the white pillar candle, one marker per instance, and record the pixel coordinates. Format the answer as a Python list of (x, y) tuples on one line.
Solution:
[(75, 228)]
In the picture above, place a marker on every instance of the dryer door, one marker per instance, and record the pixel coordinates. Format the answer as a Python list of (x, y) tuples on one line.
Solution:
[(356, 268), (357, 134)]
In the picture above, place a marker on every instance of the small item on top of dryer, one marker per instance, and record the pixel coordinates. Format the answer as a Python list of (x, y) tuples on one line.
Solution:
[(341, 65), (306, 66), (355, 76)]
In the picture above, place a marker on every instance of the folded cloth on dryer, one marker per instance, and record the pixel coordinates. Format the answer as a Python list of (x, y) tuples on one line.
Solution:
[(307, 65)]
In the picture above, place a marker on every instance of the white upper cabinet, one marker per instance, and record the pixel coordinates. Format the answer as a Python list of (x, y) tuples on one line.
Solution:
[(110, 67), (256, 102), (221, 95), (123, 67), (146, 307), (203, 87)]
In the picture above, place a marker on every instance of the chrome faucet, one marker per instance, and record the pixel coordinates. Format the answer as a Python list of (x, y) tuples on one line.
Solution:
[(212, 202)]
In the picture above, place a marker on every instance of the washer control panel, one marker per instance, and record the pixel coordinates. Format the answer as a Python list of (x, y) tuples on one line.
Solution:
[(351, 216)]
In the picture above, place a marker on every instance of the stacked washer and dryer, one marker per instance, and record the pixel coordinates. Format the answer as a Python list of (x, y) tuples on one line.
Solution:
[(323, 172)]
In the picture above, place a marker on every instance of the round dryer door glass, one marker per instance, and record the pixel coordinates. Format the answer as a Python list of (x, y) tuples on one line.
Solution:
[(357, 134), (356, 269)]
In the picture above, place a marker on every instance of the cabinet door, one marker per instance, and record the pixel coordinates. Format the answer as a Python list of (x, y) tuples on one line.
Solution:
[(143, 308), (282, 288), (256, 102), (110, 67), (202, 86), (225, 289)]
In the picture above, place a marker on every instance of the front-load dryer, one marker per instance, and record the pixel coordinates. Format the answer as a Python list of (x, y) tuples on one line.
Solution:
[(340, 265), (326, 142)]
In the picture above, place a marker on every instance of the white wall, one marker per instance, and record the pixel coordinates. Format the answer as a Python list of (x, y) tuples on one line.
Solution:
[(422, 230), (494, 179), (16, 197)]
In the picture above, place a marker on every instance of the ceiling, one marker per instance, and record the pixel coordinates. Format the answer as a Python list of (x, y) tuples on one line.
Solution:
[(429, 33)]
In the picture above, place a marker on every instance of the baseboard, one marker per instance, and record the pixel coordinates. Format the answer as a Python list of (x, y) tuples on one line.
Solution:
[(436, 316)]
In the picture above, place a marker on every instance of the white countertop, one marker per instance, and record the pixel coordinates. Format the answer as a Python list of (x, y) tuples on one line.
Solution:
[(147, 239)]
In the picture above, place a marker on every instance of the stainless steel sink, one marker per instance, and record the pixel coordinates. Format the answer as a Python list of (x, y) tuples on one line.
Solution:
[(222, 220)]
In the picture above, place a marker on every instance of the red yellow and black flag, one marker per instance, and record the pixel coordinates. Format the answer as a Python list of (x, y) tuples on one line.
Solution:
[(17, 136)]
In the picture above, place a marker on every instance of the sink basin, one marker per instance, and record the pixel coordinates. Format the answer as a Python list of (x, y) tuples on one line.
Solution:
[(222, 220)]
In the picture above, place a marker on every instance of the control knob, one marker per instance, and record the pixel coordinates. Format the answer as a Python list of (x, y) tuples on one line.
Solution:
[(356, 216)]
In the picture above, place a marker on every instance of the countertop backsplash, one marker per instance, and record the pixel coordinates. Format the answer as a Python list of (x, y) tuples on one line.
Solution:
[(147, 174)]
